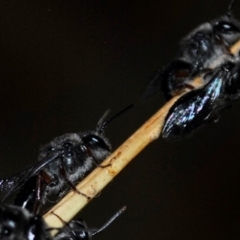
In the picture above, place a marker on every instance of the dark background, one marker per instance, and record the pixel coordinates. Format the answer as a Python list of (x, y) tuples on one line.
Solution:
[(63, 63)]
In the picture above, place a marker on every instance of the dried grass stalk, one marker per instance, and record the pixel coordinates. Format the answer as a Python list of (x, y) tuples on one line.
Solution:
[(94, 183)]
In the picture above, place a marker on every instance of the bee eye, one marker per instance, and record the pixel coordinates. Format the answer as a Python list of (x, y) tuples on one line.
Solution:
[(50, 149), (91, 139), (226, 27), (94, 140)]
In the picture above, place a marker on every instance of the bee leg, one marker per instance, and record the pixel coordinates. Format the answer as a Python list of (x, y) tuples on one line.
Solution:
[(224, 43), (232, 88), (26, 196), (31, 193), (43, 180), (181, 89), (64, 222), (89, 153), (104, 166), (70, 184)]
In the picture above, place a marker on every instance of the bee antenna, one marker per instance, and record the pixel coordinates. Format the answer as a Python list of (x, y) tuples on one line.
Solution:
[(116, 215), (230, 8), (101, 125)]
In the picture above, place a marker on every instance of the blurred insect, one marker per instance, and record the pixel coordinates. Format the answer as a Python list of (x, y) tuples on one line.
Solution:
[(204, 50), (78, 230), (199, 49), (18, 224), (204, 104), (62, 162)]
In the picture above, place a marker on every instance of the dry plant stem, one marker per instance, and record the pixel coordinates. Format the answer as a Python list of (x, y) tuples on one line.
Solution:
[(235, 48), (93, 184)]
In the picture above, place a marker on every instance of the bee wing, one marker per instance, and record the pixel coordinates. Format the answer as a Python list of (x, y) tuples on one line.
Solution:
[(170, 78), (7, 183), (196, 107), (153, 86), (13, 183), (41, 164)]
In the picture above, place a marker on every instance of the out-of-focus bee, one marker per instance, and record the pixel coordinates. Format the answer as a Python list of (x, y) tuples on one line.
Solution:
[(78, 230), (205, 52), (198, 50), (18, 224), (203, 105)]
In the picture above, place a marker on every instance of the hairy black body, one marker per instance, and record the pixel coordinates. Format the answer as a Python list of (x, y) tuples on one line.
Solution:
[(205, 52), (61, 163)]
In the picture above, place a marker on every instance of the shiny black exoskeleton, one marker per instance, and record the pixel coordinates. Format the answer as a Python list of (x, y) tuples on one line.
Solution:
[(78, 230), (203, 105), (81, 153), (205, 52), (198, 50), (62, 162), (18, 224)]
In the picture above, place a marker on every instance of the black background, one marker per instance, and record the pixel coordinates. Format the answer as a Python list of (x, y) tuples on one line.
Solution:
[(63, 63)]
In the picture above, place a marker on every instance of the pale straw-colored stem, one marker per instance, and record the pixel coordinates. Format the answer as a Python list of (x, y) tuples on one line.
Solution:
[(94, 183)]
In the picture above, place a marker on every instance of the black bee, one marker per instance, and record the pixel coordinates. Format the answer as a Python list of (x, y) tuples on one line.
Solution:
[(18, 224), (198, 50), (62, 162), (205, 51), (204, 104)]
